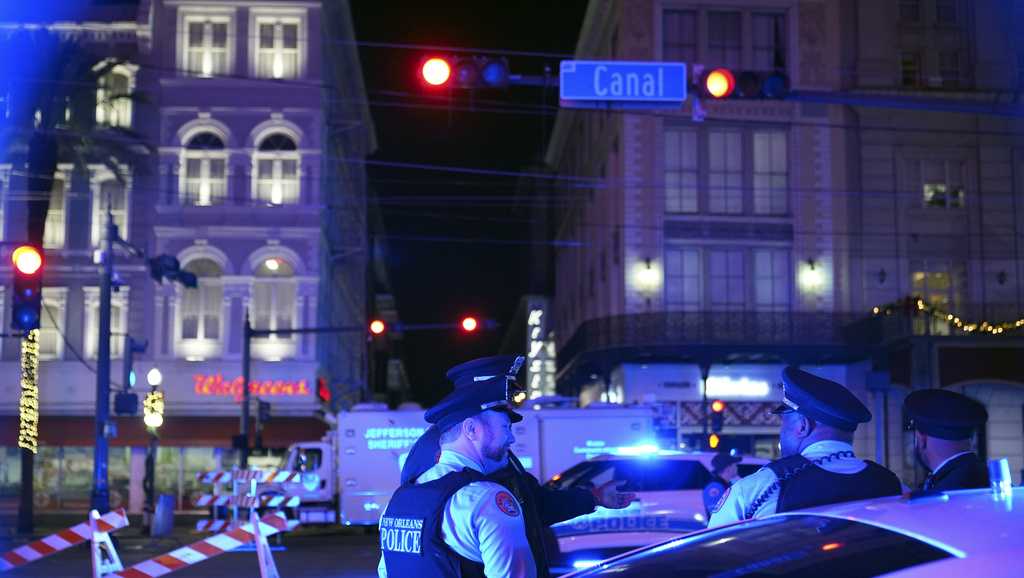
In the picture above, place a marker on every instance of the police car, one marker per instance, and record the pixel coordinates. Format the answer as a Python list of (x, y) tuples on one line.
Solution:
[(951, 534), (672, 489)]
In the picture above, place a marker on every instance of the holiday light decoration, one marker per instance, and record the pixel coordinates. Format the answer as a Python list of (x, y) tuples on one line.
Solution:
[(28, 407), (918, 305)]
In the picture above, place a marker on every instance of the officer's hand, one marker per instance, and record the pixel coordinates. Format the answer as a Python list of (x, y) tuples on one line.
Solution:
[(610, 495)]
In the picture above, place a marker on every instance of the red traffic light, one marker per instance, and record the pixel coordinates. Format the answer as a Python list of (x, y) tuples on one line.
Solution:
[(469, 324), (27, 259), (377, 327), (435, 71), (719, 83), (718, 406)]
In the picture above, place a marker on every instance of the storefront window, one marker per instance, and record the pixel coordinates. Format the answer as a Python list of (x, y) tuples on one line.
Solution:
[(46, 478), (10, 471), (168, 462), (76, 478), (119, 472), (195, 461)]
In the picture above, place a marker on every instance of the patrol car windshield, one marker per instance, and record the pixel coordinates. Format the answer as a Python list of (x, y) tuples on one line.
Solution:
[(640, 475), (792, 546)]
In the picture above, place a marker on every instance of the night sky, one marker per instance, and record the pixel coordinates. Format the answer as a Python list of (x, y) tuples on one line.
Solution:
[(435, 276)]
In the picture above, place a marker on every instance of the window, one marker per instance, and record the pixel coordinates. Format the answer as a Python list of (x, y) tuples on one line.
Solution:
[(679, 36), (273, 295), (277, 170), (725, 172), (277, 50), (681, 170), (640, 475), (945, 12), (910, 69), (118, 321), (949, 69), (771, 279), (728, 284), (52, 323), (792, 546), (769, 45), (205, 179), (113, 108), (910, 11), (770, 173), (108, 192), (683, 279), (935, 281), (207, 46), (201, 307), (942, 184), (724, 39), (56, 214)]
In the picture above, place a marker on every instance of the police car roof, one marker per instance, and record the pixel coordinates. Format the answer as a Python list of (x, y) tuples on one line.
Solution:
[(962, 522)]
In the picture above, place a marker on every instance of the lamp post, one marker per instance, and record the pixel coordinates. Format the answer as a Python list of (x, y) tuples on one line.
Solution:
[(153, 417)]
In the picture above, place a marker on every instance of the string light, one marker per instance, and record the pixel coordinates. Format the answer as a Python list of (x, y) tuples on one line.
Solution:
[(28, 407), (919, 305)]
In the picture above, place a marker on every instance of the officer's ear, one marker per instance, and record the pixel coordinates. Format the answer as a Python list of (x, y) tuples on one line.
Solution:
[(921, 440), (471, 428), (806, 426)]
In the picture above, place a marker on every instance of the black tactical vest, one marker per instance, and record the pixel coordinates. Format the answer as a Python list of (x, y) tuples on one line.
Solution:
[(802, 484), (410, 531)]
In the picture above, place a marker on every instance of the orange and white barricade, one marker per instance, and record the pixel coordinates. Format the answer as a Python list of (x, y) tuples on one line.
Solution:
[(256, 530), (96, 529), (243, 494)]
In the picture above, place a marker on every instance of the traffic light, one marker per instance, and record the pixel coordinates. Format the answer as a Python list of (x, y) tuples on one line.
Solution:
[(717, 415), (469, 324), (378, 327), (153, 409), (465, 72), (723, 83), (263, 413), (167, 267), (713, 441), (27, 301)]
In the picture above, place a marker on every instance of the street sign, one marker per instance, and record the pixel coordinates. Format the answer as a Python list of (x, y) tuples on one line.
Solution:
[(622, 84)]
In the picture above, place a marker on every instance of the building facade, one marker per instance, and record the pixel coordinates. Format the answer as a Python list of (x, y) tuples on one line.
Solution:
[(248, 110), (710, 254)]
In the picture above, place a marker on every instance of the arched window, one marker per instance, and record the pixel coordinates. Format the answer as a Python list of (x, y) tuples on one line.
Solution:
[(112, 106), (204, 174), (273, 295), (276, 169), (201, 307)]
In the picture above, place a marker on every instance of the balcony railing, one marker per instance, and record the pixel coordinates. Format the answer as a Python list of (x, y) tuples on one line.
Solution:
[(669, 328)]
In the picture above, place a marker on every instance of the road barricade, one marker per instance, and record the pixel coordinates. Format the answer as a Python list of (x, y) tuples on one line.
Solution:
[(256, 530), (96, 530), (244, 493)]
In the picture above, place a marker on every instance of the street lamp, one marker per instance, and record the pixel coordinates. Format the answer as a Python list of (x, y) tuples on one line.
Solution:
[(154, 378)]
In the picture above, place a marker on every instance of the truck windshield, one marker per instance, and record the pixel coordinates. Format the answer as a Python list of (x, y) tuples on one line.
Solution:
[(791, 546)]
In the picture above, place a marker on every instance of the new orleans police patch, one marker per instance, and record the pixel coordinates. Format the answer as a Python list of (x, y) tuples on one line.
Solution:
[(401, 535), (721, 501), (506, 503)]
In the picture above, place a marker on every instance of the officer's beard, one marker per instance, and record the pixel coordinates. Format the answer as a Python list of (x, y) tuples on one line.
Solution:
[(495, 454)]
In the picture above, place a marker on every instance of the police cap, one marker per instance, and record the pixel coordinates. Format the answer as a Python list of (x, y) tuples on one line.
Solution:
[(723, 460), (483, 384), (822, 400), (944, 414)]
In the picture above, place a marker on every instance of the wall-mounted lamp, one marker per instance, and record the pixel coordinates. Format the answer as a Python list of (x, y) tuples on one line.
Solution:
[(811, 276), (647, 277)]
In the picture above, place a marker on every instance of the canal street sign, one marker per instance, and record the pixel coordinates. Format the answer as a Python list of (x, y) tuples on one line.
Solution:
[(622, 84)]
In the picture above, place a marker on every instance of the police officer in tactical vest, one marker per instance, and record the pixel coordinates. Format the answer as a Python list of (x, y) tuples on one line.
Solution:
[(541, 506), (943, 423), (818, 466)]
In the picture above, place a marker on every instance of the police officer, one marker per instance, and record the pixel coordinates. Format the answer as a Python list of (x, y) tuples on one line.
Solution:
[(818, 466), (724, 473), (451, 521), (943, 423), (542, 506)]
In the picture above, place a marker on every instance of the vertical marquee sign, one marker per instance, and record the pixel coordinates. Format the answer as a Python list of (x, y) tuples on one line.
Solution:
[(28, 432)]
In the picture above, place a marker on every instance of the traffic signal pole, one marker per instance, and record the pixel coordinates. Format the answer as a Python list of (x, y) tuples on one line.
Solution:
[(100, 498)]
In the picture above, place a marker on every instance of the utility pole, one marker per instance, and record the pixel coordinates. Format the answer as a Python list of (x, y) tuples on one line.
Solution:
[(244, 436), (100, 489)]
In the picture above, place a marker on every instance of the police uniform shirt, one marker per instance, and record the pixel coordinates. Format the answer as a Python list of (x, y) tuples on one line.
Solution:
[(482, 522), (741, 494)]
